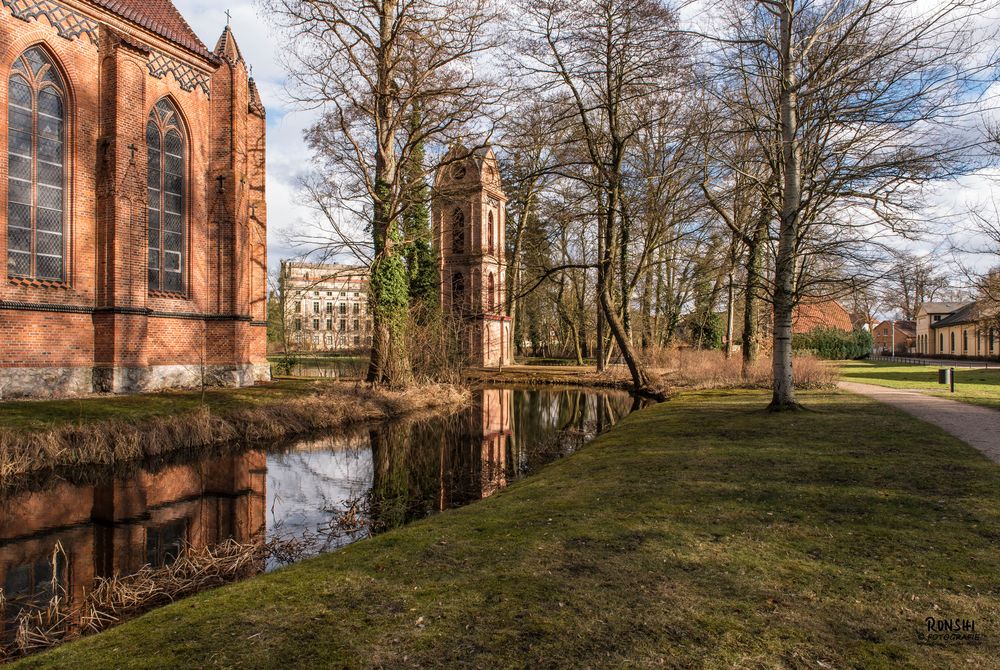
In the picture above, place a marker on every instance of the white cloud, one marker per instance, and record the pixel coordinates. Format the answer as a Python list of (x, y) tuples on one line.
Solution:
[(287, 154)]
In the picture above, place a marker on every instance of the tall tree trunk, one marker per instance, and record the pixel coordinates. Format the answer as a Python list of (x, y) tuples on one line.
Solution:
[(754, 259), (645, 298), (791, 195), (623, 274), (390, 361), (601, 279), (640, 378), (729, 314)]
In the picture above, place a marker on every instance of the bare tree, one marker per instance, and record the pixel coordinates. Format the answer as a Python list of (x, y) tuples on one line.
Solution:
[(854, 104), (366, 64), (913, 280), (611, 58)]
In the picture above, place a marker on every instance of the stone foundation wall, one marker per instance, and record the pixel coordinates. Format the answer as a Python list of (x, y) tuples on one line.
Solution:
[(73, 381)]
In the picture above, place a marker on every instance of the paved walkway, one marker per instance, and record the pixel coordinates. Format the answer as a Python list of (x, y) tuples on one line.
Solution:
[(976, 426)]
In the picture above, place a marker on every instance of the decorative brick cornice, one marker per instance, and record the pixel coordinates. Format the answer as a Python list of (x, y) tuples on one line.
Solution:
[(68, 23), (190, 78), (132, 311)]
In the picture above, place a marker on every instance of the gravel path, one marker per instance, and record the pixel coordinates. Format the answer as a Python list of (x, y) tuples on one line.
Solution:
[(976, 426)]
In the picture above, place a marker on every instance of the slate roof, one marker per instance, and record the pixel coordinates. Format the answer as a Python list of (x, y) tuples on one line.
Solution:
[(941, 307), (965, 314), (162, 18)]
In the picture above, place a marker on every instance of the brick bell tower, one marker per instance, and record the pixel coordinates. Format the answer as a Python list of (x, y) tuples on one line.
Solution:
[(469, 219)]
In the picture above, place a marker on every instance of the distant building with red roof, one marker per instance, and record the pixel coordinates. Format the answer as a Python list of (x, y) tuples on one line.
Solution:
[(811, 314)]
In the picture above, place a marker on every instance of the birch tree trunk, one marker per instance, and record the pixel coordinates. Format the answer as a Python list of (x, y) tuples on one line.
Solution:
[(791, 195)]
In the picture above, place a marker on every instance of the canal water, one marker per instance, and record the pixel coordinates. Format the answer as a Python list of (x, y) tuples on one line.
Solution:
[(314, 494)]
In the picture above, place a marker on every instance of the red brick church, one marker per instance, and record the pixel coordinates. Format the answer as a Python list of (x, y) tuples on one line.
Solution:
[(132, 210)]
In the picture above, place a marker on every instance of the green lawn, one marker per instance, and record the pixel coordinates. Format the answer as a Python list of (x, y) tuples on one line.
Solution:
[(979, 387), (43, 414), (700, 533)]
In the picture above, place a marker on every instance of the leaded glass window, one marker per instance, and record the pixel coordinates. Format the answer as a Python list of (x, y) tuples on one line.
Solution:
[(166, 211), (36, 177)]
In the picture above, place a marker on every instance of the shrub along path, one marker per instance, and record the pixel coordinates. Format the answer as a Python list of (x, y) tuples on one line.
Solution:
[(700, 533)]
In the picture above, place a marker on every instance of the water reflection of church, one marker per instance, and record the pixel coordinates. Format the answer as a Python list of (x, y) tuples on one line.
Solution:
[(119, 526)]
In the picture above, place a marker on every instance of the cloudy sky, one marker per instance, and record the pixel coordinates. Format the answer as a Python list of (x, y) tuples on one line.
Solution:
[(287, 156)]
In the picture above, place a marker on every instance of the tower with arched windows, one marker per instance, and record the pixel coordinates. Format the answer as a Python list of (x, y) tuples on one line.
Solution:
[(469, 217), (132, 208)]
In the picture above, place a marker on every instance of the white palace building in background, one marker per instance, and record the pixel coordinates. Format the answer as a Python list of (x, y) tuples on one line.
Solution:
[(326, 306)]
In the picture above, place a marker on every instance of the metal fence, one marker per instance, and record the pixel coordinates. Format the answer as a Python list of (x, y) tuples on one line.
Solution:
[(951, 363)]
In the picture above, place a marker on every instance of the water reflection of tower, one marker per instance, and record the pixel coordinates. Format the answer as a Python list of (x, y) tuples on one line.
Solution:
[(118, 526), (478, 456)]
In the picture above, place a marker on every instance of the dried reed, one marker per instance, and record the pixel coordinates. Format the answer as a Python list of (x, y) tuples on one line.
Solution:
[(111, 443), (114, 599)]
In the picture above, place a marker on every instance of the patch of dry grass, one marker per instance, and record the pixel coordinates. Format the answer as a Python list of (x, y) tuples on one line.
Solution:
[(113, 442), (672, 370), (702, 369)]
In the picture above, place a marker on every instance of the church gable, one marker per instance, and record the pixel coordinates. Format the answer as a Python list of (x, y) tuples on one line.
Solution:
[(133, 212)]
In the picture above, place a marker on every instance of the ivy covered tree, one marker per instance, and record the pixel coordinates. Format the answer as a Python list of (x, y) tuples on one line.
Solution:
[(421, 266)]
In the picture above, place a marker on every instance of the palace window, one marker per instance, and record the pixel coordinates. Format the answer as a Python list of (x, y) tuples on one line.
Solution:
[(315, 324), (457, 231), (36, 177), (357, 325), (343, 308), (315, 308), (329, 308), (343, 325), (357, 308), (329, 324), (166, 209)]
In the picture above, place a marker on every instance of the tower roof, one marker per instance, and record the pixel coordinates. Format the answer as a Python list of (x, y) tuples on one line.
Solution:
[(161, 17), (227, 48)]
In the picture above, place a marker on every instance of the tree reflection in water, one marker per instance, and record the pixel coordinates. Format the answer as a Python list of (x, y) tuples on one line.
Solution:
[(312, 494)]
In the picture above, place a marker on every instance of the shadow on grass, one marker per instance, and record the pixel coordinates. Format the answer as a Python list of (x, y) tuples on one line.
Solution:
[(702, 532)]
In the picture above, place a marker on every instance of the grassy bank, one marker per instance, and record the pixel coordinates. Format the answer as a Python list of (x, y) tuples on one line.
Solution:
[(700, 533), (979, 387), (38, 437)]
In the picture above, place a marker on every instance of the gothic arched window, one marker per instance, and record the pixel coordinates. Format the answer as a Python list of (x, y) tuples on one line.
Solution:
[(489, 232), (36, 168), (457, 291), (457, 231), (165, 145)]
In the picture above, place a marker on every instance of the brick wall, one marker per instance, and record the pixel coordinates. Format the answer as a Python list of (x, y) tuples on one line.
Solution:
[(103, 316)]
